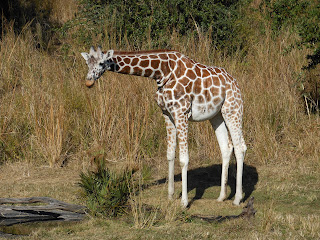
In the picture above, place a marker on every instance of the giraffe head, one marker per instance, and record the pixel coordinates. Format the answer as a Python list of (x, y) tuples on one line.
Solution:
[(98, 62)]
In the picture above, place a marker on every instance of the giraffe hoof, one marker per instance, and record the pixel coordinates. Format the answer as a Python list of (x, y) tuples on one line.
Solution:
[(236, 202), (184, 204), (220, 199)]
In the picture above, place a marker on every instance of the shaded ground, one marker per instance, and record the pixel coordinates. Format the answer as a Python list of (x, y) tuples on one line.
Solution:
[(203, 178)]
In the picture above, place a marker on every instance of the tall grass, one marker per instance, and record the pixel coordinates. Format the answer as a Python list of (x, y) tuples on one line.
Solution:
[(47, 116)]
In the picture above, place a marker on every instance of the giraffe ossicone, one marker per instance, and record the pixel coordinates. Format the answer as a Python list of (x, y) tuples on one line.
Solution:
[(187, 91)]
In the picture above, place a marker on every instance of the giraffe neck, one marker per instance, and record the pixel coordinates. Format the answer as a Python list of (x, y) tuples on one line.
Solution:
[(158, 64)]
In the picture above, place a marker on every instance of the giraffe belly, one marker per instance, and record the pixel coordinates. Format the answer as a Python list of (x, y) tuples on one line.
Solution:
[(201, 112)]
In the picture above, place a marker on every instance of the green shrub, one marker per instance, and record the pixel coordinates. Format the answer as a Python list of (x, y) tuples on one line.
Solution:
[(309, 32), (151, 23), (284, 13), (303, 17), (106, 192)]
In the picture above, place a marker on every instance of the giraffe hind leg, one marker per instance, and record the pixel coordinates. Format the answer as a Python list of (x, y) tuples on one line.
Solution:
[(233, 123), (226, 149)]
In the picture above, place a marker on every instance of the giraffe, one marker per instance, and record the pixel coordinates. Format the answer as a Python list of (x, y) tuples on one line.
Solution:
[(187, 91)]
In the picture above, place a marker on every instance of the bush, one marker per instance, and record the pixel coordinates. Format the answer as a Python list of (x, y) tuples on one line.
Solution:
[(284, 13), (34, 13), (152, 22), (106, 192), (302, 17)]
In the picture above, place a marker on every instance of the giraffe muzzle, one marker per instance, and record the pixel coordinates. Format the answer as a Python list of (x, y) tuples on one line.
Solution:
[(89, 83)]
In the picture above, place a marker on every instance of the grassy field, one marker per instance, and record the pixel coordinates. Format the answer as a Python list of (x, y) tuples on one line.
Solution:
[(52, 127), (286, 200)]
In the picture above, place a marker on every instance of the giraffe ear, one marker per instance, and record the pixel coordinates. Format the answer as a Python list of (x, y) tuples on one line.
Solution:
[(99, 52), (85, 56), (108, 55), (92, 51)]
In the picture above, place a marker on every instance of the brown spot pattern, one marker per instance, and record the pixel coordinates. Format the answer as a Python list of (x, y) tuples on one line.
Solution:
[(207, 83), (222, 79), (134, 61), (178, 91), (155, 64), (127, 60), (197, 86), (144, 63), (216, 100), (163, 56), (205, 73), (215, 91), (207, 95), (189, 87), (126, 70), (165, 68), (200, 99), (171, 84), (172, 64), (172, 56), (157, 74), (137, 71), (182, 68), (190, 74), (148, 72), (119, 59), (184, 81), (217, 70), (216, 81), (198, 71)]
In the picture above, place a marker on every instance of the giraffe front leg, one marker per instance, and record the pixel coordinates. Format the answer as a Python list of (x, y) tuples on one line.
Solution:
[(171, 150), (182, 131)]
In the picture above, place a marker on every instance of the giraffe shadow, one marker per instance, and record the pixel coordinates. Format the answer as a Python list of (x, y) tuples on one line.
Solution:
[(203, 178)]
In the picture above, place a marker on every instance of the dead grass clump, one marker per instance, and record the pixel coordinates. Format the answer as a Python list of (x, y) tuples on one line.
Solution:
[(272, 102), (32, 109), (49, 132)]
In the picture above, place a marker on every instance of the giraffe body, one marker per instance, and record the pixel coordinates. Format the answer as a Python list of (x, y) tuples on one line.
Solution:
[(187, 91)]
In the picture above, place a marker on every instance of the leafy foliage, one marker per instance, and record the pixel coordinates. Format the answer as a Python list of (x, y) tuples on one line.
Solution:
[(284, 13), (309, 31), (106, 192), (153, 21), (35, 13), (303, 17)]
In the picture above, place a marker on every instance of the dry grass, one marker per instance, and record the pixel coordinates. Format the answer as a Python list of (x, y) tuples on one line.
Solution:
[(49, 118), (45, 104)]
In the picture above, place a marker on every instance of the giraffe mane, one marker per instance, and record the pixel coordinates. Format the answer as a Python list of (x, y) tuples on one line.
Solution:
[(142, 52)]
